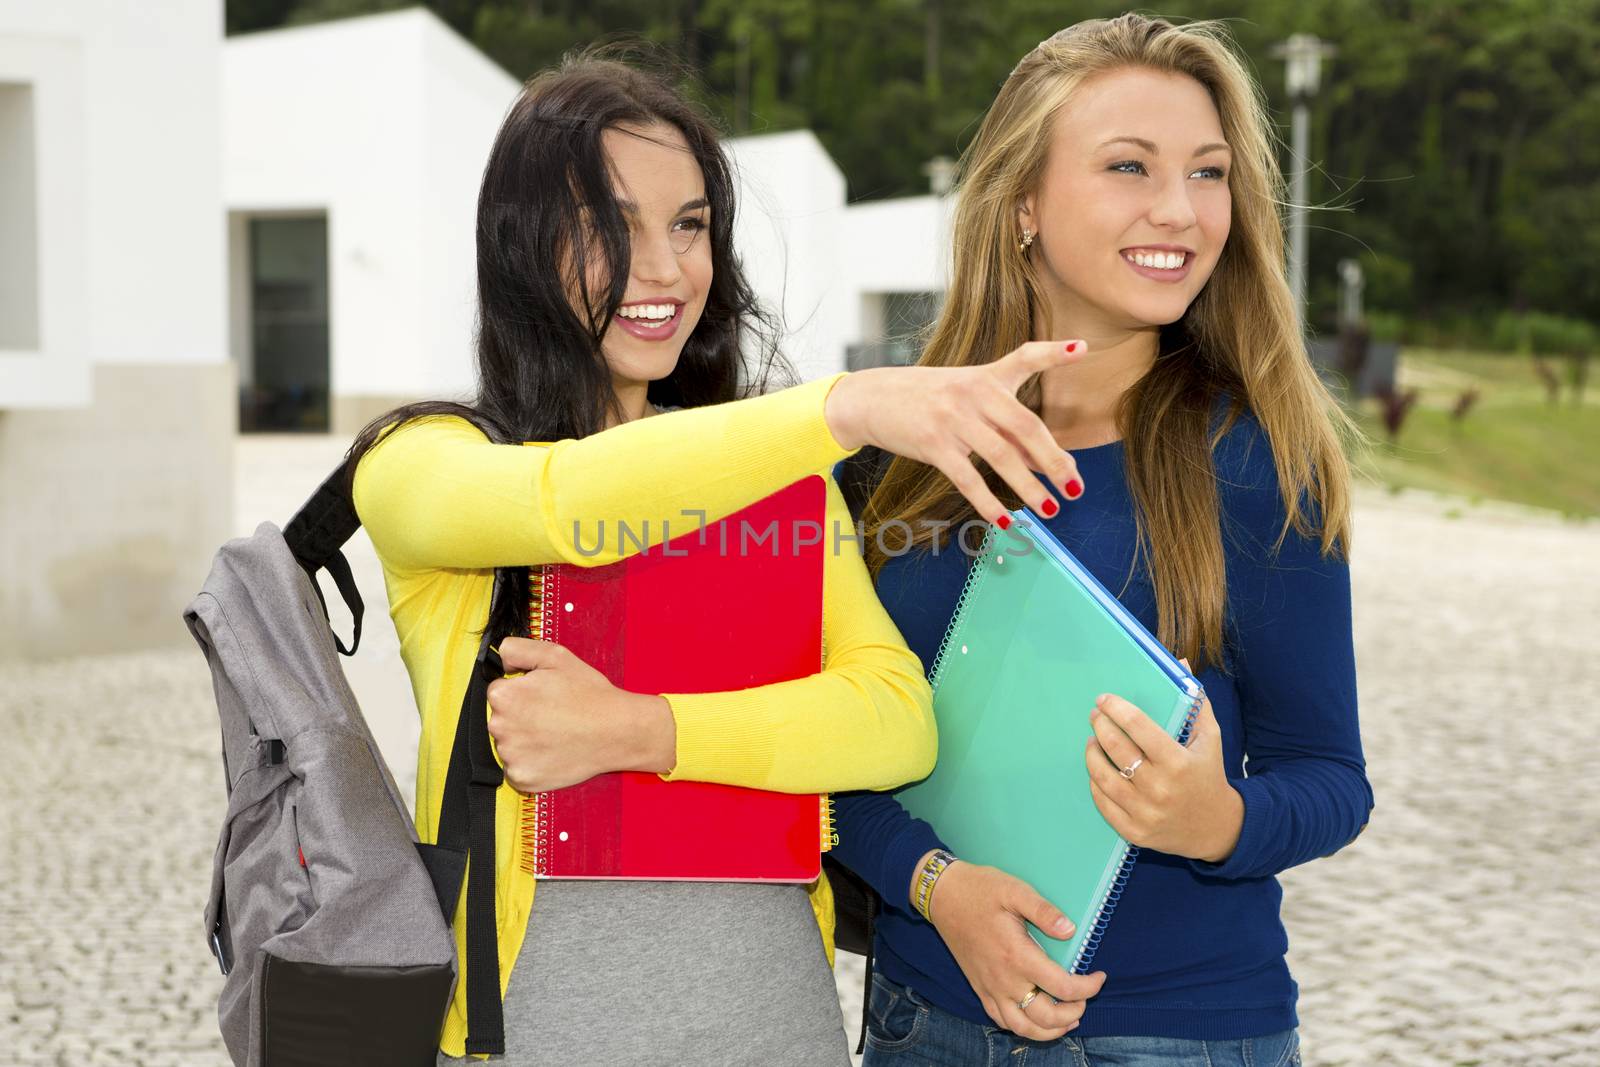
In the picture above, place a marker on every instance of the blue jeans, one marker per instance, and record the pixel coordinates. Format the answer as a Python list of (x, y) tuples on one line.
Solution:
[(903, 1030)]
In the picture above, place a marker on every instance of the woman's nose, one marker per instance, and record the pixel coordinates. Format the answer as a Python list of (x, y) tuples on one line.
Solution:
[(1172, 209), (654, 261)]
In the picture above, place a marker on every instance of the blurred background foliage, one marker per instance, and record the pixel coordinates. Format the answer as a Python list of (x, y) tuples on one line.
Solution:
[(1455, 149)]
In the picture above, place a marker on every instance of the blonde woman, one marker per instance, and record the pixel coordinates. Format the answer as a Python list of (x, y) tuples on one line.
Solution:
[(1123, 189)]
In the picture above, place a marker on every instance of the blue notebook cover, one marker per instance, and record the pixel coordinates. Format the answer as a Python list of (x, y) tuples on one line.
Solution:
[(1034, 640)]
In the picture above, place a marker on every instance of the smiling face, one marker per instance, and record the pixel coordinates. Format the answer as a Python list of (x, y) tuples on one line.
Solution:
[(1133, 208), (662, 194)]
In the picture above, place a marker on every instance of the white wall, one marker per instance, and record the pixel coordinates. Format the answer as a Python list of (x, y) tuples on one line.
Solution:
[(790, 236), (156, 268), (822, 261), (898, 246), (466, 97)]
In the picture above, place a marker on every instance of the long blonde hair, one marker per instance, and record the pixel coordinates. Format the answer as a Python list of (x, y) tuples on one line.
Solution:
[(1239, 339)]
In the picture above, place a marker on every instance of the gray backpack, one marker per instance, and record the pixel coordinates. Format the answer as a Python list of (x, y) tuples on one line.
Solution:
[(328, 917)]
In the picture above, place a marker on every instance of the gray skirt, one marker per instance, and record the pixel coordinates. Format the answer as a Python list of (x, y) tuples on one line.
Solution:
[(667, 973)]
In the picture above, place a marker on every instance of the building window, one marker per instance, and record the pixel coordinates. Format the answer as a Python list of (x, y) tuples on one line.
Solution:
[(19, 238), (284, 386)]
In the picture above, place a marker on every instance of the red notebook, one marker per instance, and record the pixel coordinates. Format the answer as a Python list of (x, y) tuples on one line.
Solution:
[(730, 606)]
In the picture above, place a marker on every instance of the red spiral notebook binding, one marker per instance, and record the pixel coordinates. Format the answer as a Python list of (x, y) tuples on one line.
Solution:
[(734, 605)]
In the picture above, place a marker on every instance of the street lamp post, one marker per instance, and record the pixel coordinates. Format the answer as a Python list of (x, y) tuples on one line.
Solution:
[(1303, 54)]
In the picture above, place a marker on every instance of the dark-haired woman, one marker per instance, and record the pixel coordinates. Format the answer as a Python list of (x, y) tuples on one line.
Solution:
[(609, 292)]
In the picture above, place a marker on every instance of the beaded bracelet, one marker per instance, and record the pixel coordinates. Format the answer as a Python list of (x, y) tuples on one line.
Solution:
[(927, 877)]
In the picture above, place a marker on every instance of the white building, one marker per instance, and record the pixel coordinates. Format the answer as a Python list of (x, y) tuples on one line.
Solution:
[(116, 391), (352, 152), (846, 279)]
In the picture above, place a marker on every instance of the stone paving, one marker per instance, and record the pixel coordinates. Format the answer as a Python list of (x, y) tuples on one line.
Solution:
[(1462, 928)]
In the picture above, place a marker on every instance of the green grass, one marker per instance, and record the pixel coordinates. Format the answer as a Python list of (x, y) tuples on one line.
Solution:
[(1513, 445)]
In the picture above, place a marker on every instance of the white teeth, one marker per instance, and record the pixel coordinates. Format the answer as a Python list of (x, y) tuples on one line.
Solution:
[(1158, 260), (651, 312)]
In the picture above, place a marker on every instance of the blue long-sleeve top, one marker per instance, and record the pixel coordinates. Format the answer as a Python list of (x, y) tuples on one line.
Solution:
[(1194, 949)]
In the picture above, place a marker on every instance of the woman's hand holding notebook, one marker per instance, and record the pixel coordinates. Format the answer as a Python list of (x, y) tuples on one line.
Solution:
[(998, 958), (558, 721), (1178, 800)]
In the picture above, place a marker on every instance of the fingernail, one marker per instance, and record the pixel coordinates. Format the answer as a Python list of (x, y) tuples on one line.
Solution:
[(1074, 489), (1064, 925), (1073, 347), (1049, 507), (1004, 522)]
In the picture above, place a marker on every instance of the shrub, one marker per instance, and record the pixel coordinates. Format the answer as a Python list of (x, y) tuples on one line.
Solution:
[(1543, 334)]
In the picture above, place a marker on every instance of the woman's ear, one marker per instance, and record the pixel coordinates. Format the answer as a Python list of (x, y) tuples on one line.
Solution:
[(1025, 220)]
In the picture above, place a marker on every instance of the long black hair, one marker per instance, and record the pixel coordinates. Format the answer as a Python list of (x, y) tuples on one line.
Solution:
[(546, 206)]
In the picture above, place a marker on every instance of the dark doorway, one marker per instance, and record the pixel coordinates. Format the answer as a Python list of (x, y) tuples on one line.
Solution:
[(284, 388)]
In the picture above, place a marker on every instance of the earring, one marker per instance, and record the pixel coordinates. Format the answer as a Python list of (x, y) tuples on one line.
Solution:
[(1026, 242)]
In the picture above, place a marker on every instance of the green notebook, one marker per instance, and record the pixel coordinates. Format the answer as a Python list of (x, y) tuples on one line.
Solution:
[(1034, 640)]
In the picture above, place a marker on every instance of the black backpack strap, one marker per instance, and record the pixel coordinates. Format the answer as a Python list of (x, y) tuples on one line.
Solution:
[(485, 1025), (316, 534), (856, 905), (871, 957), (467, 830)]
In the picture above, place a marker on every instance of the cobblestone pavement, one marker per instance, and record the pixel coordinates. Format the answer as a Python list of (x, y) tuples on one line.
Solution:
[(1462, 928)]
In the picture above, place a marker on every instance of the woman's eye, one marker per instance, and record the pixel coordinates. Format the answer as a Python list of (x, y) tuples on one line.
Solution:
[(1214, 173), (685, 232)]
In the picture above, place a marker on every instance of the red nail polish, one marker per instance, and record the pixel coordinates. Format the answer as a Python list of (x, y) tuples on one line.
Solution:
[(1049, 508), (1004, 522), (1074, 489)]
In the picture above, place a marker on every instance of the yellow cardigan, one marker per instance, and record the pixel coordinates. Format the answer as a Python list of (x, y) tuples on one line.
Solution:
[(444, 506)]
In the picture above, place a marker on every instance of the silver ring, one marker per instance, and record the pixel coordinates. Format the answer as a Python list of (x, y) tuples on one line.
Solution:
[(1025, 1001), (1127, 772)]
